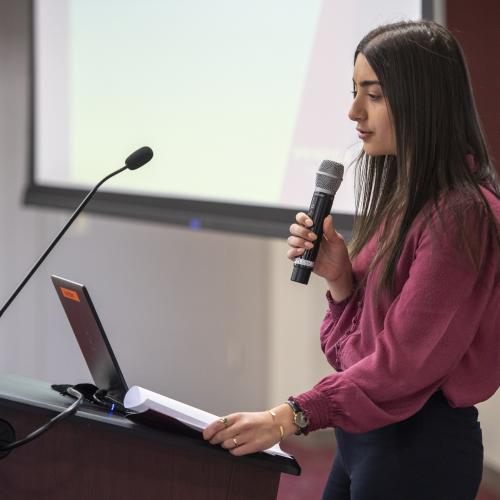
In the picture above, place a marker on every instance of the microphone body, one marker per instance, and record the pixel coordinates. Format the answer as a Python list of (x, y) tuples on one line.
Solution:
[(328, 179)]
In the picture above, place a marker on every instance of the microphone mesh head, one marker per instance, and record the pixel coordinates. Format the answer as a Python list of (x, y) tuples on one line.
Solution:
[(139, 158), (329, 176)]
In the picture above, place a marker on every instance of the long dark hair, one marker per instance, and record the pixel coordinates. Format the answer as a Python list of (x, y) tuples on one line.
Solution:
[(426, 83)]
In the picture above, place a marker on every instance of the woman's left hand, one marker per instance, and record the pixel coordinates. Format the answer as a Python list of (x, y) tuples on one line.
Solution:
[(249, 432)]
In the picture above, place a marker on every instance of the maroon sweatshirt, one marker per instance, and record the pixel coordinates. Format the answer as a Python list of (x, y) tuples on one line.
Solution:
[(439, 330)]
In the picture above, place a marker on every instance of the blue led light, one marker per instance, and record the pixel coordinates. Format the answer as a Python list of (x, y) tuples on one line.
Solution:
[(195, 224)]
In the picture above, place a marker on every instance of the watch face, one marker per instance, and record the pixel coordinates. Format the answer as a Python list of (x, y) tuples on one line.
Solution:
[(301, 420)]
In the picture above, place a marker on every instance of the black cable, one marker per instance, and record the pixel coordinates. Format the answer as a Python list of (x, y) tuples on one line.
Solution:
[(60, 416), (100, 398)]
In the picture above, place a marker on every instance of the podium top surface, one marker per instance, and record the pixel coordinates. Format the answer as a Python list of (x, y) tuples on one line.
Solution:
[(16, 390)]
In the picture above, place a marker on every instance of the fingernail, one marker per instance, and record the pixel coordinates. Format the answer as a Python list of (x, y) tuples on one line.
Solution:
[(308, 244), (312, 236), (309, 222)]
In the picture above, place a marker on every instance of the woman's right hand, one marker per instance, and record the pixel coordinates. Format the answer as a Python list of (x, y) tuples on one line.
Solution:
[(332, 261)]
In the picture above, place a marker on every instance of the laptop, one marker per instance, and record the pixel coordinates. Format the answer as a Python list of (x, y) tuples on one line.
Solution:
[(106, 372), (91, 338)]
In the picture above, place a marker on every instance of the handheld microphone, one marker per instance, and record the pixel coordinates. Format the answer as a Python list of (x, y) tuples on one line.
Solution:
[(328, 179), (134, 161)]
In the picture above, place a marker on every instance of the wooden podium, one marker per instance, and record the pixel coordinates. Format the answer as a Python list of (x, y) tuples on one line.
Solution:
[(93, 455)]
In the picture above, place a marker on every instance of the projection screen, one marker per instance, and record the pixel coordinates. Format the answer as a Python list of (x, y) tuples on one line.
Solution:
[(240, 102)]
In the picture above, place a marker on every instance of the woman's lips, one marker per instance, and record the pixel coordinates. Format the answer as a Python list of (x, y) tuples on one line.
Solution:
[(363, 134)]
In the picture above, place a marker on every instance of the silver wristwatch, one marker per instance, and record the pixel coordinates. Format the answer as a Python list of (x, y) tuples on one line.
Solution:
[(299, 417)]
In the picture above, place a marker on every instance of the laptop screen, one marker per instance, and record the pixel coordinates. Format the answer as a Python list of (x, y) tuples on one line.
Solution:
[(91, 338)]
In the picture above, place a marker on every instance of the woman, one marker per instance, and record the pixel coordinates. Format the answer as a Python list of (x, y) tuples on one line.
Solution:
[(412, 326)]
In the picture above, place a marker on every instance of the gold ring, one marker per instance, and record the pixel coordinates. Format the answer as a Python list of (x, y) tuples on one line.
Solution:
[(235, 443), (223, 420)]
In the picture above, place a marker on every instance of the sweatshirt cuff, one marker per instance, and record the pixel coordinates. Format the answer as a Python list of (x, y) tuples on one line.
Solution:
[(337, 308), (317, 408)]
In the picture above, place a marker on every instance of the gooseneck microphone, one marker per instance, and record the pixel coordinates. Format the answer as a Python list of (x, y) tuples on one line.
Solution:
[(134, 161), (7, 433), (328, 179)]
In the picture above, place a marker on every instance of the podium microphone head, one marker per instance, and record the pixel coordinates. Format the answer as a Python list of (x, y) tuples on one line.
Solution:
[(139, 158)]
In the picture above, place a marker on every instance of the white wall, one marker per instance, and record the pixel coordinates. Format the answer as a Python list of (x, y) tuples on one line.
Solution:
[(208, 318)]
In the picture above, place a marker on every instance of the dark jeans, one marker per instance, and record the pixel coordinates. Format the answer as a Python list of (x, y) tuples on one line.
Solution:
[(437, 454)]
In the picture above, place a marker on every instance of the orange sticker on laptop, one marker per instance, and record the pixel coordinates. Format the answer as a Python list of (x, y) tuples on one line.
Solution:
[(70, 294)]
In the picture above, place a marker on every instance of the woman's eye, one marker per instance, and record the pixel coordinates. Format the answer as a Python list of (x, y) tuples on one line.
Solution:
[(372, 97)]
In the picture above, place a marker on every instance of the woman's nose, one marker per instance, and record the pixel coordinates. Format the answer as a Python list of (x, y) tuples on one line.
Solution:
[(356, 112)]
